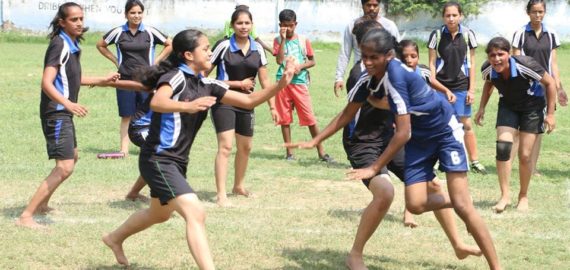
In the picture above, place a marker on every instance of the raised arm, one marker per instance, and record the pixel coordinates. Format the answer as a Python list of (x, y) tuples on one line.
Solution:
[(163, 103)]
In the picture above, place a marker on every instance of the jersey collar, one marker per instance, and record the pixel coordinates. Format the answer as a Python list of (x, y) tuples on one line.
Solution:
[(234, 47), (126, 27), (513, 67), (446, 30), (528, 28), (186, 69), (73, 45)]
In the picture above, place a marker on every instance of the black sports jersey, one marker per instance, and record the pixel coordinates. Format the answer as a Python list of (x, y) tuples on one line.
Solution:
[(143, 115), (63, 54), (171, 134), (452, 67), (134, 51), (233, 65), (522, 91), (370, 125), (424, 71), (538, 48)]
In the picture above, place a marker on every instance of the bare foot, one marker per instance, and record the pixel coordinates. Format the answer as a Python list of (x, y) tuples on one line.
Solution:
[(137, 197), (30, 223), (501, 205), (523, 204), (117, 249), (223, 201), (409, 220), (463, 251), (354, 262), (242, 192)]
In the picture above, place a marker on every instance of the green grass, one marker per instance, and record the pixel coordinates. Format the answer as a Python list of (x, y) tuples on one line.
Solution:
[(305, 214)]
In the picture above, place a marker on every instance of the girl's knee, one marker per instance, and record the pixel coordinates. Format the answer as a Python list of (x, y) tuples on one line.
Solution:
[(64, 170), (225, 149), (415, 208)]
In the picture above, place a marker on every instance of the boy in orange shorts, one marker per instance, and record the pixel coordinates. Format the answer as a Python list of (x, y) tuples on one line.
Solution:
[(296, 94)]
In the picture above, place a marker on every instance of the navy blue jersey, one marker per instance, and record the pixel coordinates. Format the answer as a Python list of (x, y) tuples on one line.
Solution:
[(171, 134), (408, 93), (143, 115), (522, 91), (134, 51), (63, 54)]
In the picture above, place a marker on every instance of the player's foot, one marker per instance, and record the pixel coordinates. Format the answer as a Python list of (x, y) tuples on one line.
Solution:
[(462, 251), (30, 223), (137, 197), (501, 205), (536, 173), (355, 262), (43, 210), (477, 167), (290, 157), (117, 249), (326, 158), (223, 201), (242, 192), (523, 204), (409, 220)]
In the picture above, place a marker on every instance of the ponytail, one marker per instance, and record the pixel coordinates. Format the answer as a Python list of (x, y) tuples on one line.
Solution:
[(62, 15)]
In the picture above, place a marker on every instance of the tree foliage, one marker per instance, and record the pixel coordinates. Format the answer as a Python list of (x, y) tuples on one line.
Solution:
[(434, 7)]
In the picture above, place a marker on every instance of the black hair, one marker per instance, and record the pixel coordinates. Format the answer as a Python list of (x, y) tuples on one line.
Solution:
[(499, 43), (534, 2), (451, 4), (62, 15), (287, 15), (184, 41), (238, 12), (380, 40), (362, 26), (133, 3), (406, 43), (363, 2)]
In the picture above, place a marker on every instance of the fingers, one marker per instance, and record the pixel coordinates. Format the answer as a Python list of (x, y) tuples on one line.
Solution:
[(79, 110)]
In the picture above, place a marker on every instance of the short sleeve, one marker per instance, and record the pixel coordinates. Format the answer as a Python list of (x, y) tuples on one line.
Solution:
[(432, 41), (555, 40), (517, 39), (486, 71), (217, 52), (158, 37), (215, 88), (172, 78), (276, 46), (359, 92), (533, 69), (112, 35), (53, 53), (472, 39), (310, 51), (262, 57)]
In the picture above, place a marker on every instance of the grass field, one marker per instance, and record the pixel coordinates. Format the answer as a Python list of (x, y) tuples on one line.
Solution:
[(304, 216)]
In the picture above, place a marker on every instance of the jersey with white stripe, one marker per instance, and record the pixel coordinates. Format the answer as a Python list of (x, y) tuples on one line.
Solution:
[(171, 134), (540, 48), (408, 93), (522, 91), (63, 54), (134, 51)]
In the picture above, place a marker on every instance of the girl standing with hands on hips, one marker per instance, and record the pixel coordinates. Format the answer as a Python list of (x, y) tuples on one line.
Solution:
[(179, 107)]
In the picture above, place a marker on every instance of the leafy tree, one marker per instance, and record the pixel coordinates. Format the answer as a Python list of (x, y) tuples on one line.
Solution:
[(411, 7)]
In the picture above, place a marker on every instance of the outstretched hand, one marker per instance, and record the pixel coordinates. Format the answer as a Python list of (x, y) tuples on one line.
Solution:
[(360, 174), (201, 104), (113, 76)]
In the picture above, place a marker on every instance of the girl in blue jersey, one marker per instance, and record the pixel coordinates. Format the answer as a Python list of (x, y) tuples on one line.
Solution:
[(60, 85), (179, 107), (427, 127)]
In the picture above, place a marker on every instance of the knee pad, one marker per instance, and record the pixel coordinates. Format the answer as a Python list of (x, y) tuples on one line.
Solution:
[(504, 150)]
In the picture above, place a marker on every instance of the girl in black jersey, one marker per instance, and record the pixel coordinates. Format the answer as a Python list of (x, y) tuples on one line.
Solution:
[(60, 85), (179, 107), (521, 110)]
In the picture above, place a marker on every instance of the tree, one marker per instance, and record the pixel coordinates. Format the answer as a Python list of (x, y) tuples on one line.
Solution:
[(434, 7)]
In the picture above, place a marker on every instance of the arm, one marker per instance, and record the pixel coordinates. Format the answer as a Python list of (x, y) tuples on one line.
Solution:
[(246, 85), (128, 85), (435, 84), (252, 100), (562, 97), (165, 51), (163, 103), (550, 86), (100, 81), (280, 57), (485, 96), (401, 136), (264, 81), (432, 57), (265, 46), (343, 59), (471, 90), (49, 89), (308, 64), (102, 48)]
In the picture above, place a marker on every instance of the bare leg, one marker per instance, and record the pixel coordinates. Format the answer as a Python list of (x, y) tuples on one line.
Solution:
[(63, 169), (225, 143), (134, 193), (526, 145), (409, 220), (190, 208), (383, 194), (419, 200), (43, 208), (314, 130), (505, 134), (137, 222), (124, 134), (470, 139), (535, 154), (463, 206), (243, 145), (286, 132)]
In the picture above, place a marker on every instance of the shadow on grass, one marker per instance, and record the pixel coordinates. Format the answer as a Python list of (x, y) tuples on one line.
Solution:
[(132, 266), (484, 204), (354, 215), (128, 204), (267, 155), (90, 150), (13, 212), (305, 162)]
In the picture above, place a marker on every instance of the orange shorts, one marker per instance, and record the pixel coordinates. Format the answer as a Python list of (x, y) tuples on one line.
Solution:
[(295, 96)]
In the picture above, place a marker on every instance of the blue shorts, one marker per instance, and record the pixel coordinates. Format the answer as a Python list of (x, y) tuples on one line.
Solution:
[(461, 109), (128, 101), (421, 156)]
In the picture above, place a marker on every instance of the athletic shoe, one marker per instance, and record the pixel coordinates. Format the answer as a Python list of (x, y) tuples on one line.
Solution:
[(477, 167), (328, 159), (113, 155), (290, 157)]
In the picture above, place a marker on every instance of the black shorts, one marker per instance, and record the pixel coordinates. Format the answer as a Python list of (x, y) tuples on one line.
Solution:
[(362, 156), (527, 121), (137, 134), (166, 179), (226, 118), (59, 133)]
